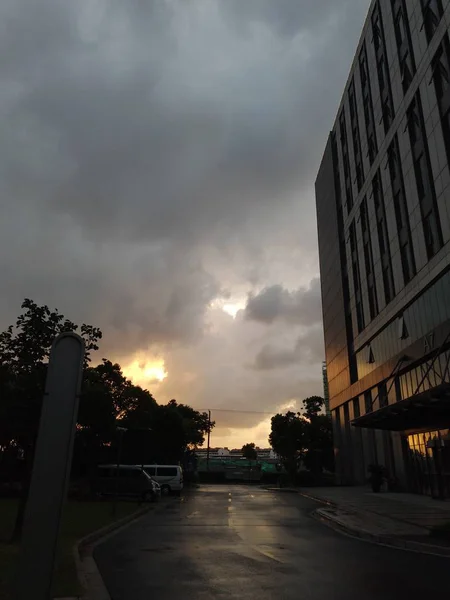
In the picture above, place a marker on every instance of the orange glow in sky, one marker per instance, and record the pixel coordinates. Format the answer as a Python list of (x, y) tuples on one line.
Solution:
[(143, 371)]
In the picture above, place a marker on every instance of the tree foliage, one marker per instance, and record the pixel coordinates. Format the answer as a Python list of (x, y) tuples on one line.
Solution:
[(249, 451), (288, 439), (312, 406), (304, 438), (24, 353), (154, 432)]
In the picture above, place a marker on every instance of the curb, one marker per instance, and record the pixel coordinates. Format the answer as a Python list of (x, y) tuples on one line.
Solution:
[(87, 572), (98, 533), (317, 499), (283, 490), (381, 540)]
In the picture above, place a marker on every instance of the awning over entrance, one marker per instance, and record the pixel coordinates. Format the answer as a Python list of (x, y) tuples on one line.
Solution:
[(425, 411)]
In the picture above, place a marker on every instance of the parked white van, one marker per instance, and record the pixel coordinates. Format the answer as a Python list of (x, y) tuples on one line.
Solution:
[(169, 477)]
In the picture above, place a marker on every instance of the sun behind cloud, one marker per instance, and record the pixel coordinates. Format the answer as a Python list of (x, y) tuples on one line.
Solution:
[(143, 371)]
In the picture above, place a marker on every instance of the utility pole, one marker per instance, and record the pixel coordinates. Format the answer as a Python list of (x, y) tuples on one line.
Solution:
[(209, 438)]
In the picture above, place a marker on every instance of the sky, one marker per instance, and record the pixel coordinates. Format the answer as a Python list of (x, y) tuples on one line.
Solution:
[(157, 167)]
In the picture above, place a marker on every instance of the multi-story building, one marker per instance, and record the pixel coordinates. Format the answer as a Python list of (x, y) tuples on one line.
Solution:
[(383, 209)]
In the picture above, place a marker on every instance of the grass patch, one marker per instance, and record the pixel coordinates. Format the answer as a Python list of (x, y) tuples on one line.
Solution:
[(79, 519)]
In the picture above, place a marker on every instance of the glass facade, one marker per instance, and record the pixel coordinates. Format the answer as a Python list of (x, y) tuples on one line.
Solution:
[(420, 379), (426, 312), (428, 463)]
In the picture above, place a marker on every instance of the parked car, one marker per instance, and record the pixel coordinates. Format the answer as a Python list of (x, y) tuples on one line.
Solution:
[(127, 480), (169, 477)]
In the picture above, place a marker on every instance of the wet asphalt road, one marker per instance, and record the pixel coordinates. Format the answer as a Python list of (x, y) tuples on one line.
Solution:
[(243, 542)]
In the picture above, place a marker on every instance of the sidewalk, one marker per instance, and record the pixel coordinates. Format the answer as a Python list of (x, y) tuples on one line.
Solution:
[(397, 519)]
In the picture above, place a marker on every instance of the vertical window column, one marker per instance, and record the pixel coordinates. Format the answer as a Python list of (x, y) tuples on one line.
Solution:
[(369, 120), (356, 278), (404, 45), (344, 269), (355, 136), (383, 238), (401, 211), (441, 77), (346, 162), (368, 260), (424, 178), (432, 12), (384, 81)]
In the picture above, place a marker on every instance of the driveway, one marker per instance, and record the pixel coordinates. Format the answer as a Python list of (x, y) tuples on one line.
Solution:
[(243, 542)]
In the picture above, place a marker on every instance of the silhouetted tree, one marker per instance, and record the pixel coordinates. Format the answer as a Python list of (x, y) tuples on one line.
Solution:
[(304, 438), (24, 352), (249, 451), (288, 437)]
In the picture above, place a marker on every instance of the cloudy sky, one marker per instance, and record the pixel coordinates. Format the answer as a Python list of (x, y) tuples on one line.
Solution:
[(157, 166)]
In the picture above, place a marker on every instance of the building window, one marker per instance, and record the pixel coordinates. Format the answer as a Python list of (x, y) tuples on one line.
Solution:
[(402, 329), (356, 278), (346, 162), (368, 260), (368, 401), (382, 395), (432, 13), (404, 45), (383, 238), (381, 68), (384, 81), (424, 178), (356, 411), (377, 27), (406, 70), (388, 115), (407, 261), (355, 136), (343, 257), (369, 121), (401, 212), (441, 77)]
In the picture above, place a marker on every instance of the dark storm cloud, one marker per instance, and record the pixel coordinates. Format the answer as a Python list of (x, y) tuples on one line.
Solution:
[(273, 303), (308, 349), (140, 139), (158, 122)]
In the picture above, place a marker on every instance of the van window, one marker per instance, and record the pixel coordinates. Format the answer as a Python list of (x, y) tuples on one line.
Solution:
[(167, 471), (151, 471)]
